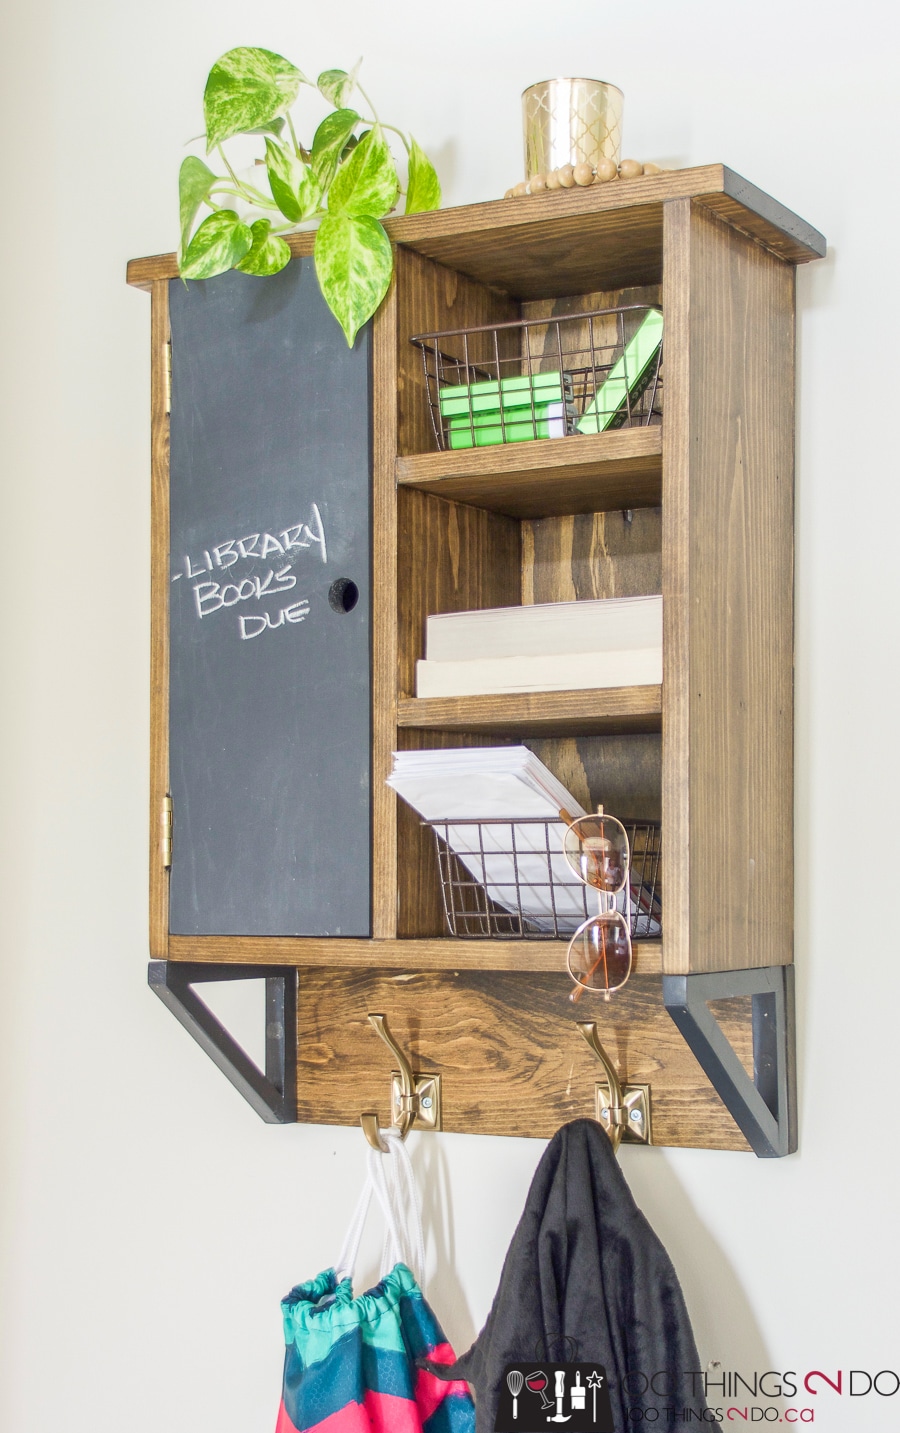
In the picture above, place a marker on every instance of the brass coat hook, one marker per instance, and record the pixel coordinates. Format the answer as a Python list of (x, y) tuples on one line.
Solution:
[(623, 1110), (415, 1099)]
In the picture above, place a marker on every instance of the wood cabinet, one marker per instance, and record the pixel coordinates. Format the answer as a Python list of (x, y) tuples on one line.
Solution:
[(699, 509)]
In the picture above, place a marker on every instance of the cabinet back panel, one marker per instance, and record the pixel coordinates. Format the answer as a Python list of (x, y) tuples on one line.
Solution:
[(592, 555)]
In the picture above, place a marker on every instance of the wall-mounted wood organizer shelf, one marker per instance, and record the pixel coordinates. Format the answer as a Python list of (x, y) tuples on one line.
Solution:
[(698, 508)]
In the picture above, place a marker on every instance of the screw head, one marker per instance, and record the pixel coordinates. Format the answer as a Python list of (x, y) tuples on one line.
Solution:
[(637, 1117), (604, 1114), (427, 1102)]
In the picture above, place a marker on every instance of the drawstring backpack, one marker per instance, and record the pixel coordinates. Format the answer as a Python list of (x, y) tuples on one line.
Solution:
[(353, 1365)]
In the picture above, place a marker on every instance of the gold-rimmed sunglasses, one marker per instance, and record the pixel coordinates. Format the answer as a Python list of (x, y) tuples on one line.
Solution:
[(599, 954)]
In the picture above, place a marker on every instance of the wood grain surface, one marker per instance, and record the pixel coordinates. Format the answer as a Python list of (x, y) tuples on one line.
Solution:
[(384, 615), (610, 709), (556, 243), (438, 953), (511, 1060), (432, 297), (727, 584), (592, 472), (586, 556)]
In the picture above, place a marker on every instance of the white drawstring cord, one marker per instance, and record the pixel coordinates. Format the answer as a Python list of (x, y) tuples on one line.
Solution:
[(393, 1182)]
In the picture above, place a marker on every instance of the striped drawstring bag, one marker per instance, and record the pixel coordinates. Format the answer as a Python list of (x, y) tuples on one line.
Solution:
[(353, 1364)]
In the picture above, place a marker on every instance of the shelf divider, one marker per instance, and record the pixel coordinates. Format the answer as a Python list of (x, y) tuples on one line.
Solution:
[(594, 712), (590, 472)]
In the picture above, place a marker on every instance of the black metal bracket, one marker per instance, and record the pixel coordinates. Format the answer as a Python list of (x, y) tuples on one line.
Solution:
[(764, 1108), (272, 1095)]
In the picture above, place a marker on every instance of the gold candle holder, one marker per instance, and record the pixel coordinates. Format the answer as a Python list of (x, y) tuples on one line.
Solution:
[(571, 122)]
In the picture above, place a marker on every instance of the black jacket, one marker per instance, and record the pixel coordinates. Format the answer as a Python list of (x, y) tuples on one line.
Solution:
[(584, 1265)]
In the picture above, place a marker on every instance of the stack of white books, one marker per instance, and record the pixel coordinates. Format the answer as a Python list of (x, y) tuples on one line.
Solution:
[(544, 647), (505, 787)]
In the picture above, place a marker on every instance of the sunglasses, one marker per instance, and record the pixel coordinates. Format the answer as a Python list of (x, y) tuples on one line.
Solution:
[(599, 954)]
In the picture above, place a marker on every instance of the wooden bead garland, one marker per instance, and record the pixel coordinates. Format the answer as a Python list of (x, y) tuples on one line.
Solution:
[(570, 176)]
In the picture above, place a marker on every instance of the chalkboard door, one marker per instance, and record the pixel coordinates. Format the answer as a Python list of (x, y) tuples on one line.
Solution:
[(269, 703)]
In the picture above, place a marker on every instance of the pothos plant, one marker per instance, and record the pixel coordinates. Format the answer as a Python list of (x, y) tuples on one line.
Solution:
[(347, 178)]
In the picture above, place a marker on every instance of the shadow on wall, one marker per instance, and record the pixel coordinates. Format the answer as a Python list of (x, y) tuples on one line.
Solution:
[(725, 1324)]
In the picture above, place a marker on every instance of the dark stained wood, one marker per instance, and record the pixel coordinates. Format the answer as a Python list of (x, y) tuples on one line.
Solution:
[(727, 583), (609, 709), (543, 522), (159, 612), (435, 953), (431, 297), (589, 472), (511, 1060), (384, 625), (590, 556), (609, 235), (451, 558), (623, 773), (420, 909), (571, 241), (676, 588)]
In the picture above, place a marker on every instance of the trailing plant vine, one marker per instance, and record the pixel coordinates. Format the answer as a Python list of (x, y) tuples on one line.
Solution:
[(346, 178)]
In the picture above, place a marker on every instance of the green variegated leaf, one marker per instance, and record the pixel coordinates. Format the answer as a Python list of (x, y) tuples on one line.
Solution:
[(275, 126), (246, 89), (220, 243), (269, 253), (366, 183), (195, 179), (295, 188), (309, 192), (329, 141), (337, 86), (354, 265), (423, 188), (284, 172)]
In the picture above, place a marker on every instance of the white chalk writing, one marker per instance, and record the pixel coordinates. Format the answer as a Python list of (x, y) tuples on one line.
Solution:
[(257, 547)]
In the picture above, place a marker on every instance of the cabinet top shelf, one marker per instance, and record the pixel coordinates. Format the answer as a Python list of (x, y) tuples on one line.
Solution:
[(546, 245)]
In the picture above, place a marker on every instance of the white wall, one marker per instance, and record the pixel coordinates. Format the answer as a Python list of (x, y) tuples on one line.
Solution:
[(150, 1221)]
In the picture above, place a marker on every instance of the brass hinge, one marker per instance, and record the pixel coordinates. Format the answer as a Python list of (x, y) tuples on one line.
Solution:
[(167, 370), (165, 839)]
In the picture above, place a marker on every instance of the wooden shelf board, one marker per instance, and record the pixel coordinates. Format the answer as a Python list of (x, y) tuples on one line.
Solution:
[(597, 712), (547, 245), (440, 953), (593, 472), (557, 243)]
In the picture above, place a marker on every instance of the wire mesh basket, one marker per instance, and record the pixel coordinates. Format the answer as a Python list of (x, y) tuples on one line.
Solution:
[(507, 879), (544, 378)]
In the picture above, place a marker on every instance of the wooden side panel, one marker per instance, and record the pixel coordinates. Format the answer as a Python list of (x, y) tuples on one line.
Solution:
[(384, 616), (159, 611), (511, 1059), (452, 558), (420, 910), (728, 584)]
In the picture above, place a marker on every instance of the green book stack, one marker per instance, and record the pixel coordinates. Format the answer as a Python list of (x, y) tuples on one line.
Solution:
[(517, 391), (626, 380), (517, 425), (509, 410)]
